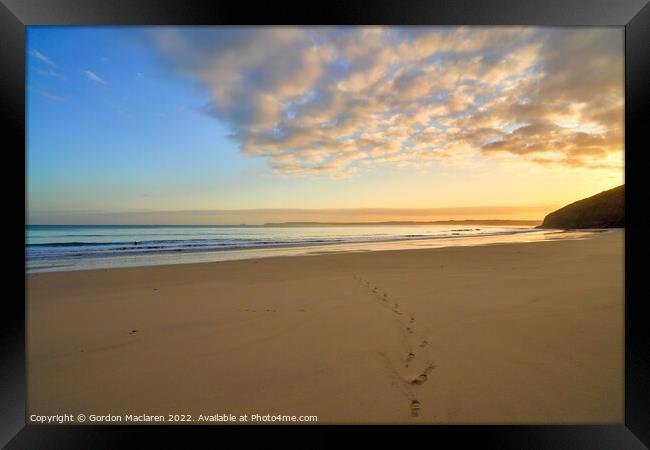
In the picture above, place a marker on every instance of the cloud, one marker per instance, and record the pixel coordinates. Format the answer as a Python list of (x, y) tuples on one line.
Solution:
[(40, 56), (46, 94), (50, 73), (335, 101), (94, 77)]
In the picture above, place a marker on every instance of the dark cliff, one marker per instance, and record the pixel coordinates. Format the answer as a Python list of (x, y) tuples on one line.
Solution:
[(604, 210)]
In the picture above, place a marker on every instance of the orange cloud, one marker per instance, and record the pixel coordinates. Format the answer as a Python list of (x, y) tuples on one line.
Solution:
[(333, 101)]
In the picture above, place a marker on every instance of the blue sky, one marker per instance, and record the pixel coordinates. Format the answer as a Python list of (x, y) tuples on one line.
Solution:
[(122, 137), (128, 120)]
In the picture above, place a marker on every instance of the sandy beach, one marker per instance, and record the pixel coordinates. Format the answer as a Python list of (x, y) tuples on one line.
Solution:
[(508, 333)]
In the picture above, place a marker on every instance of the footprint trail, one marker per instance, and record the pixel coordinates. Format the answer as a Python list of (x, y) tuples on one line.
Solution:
[(412, 339)]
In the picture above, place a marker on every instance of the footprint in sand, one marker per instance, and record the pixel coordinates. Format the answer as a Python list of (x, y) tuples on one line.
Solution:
[(423, 344), (424, 376), (420, 379), (415, 408), (412, 319), (409, 358), (133, 331), (410, 331)]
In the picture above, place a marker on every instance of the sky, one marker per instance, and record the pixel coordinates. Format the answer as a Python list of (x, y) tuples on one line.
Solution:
[(180, 125)]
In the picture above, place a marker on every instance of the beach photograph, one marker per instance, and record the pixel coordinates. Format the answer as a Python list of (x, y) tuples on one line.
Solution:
[(352, 225)]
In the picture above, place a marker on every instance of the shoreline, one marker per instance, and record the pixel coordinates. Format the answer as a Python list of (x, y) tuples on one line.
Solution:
[(508, 333), (193, 256)]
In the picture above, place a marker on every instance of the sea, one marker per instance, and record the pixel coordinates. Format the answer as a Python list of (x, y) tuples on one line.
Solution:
[(78, 247)]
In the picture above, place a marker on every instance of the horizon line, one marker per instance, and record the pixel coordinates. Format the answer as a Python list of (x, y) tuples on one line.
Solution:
[(297, 223)]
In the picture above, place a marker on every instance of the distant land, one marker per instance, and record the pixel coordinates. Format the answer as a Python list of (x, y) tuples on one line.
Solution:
[(604, 210), (503, 222)]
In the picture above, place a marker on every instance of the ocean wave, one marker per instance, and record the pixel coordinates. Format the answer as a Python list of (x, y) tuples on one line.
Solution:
[(80, 249)]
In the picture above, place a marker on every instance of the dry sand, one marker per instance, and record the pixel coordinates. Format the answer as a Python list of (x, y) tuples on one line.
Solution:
[(510, 333)]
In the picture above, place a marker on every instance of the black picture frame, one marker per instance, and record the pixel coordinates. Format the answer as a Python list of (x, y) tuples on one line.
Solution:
[(633, 15)]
